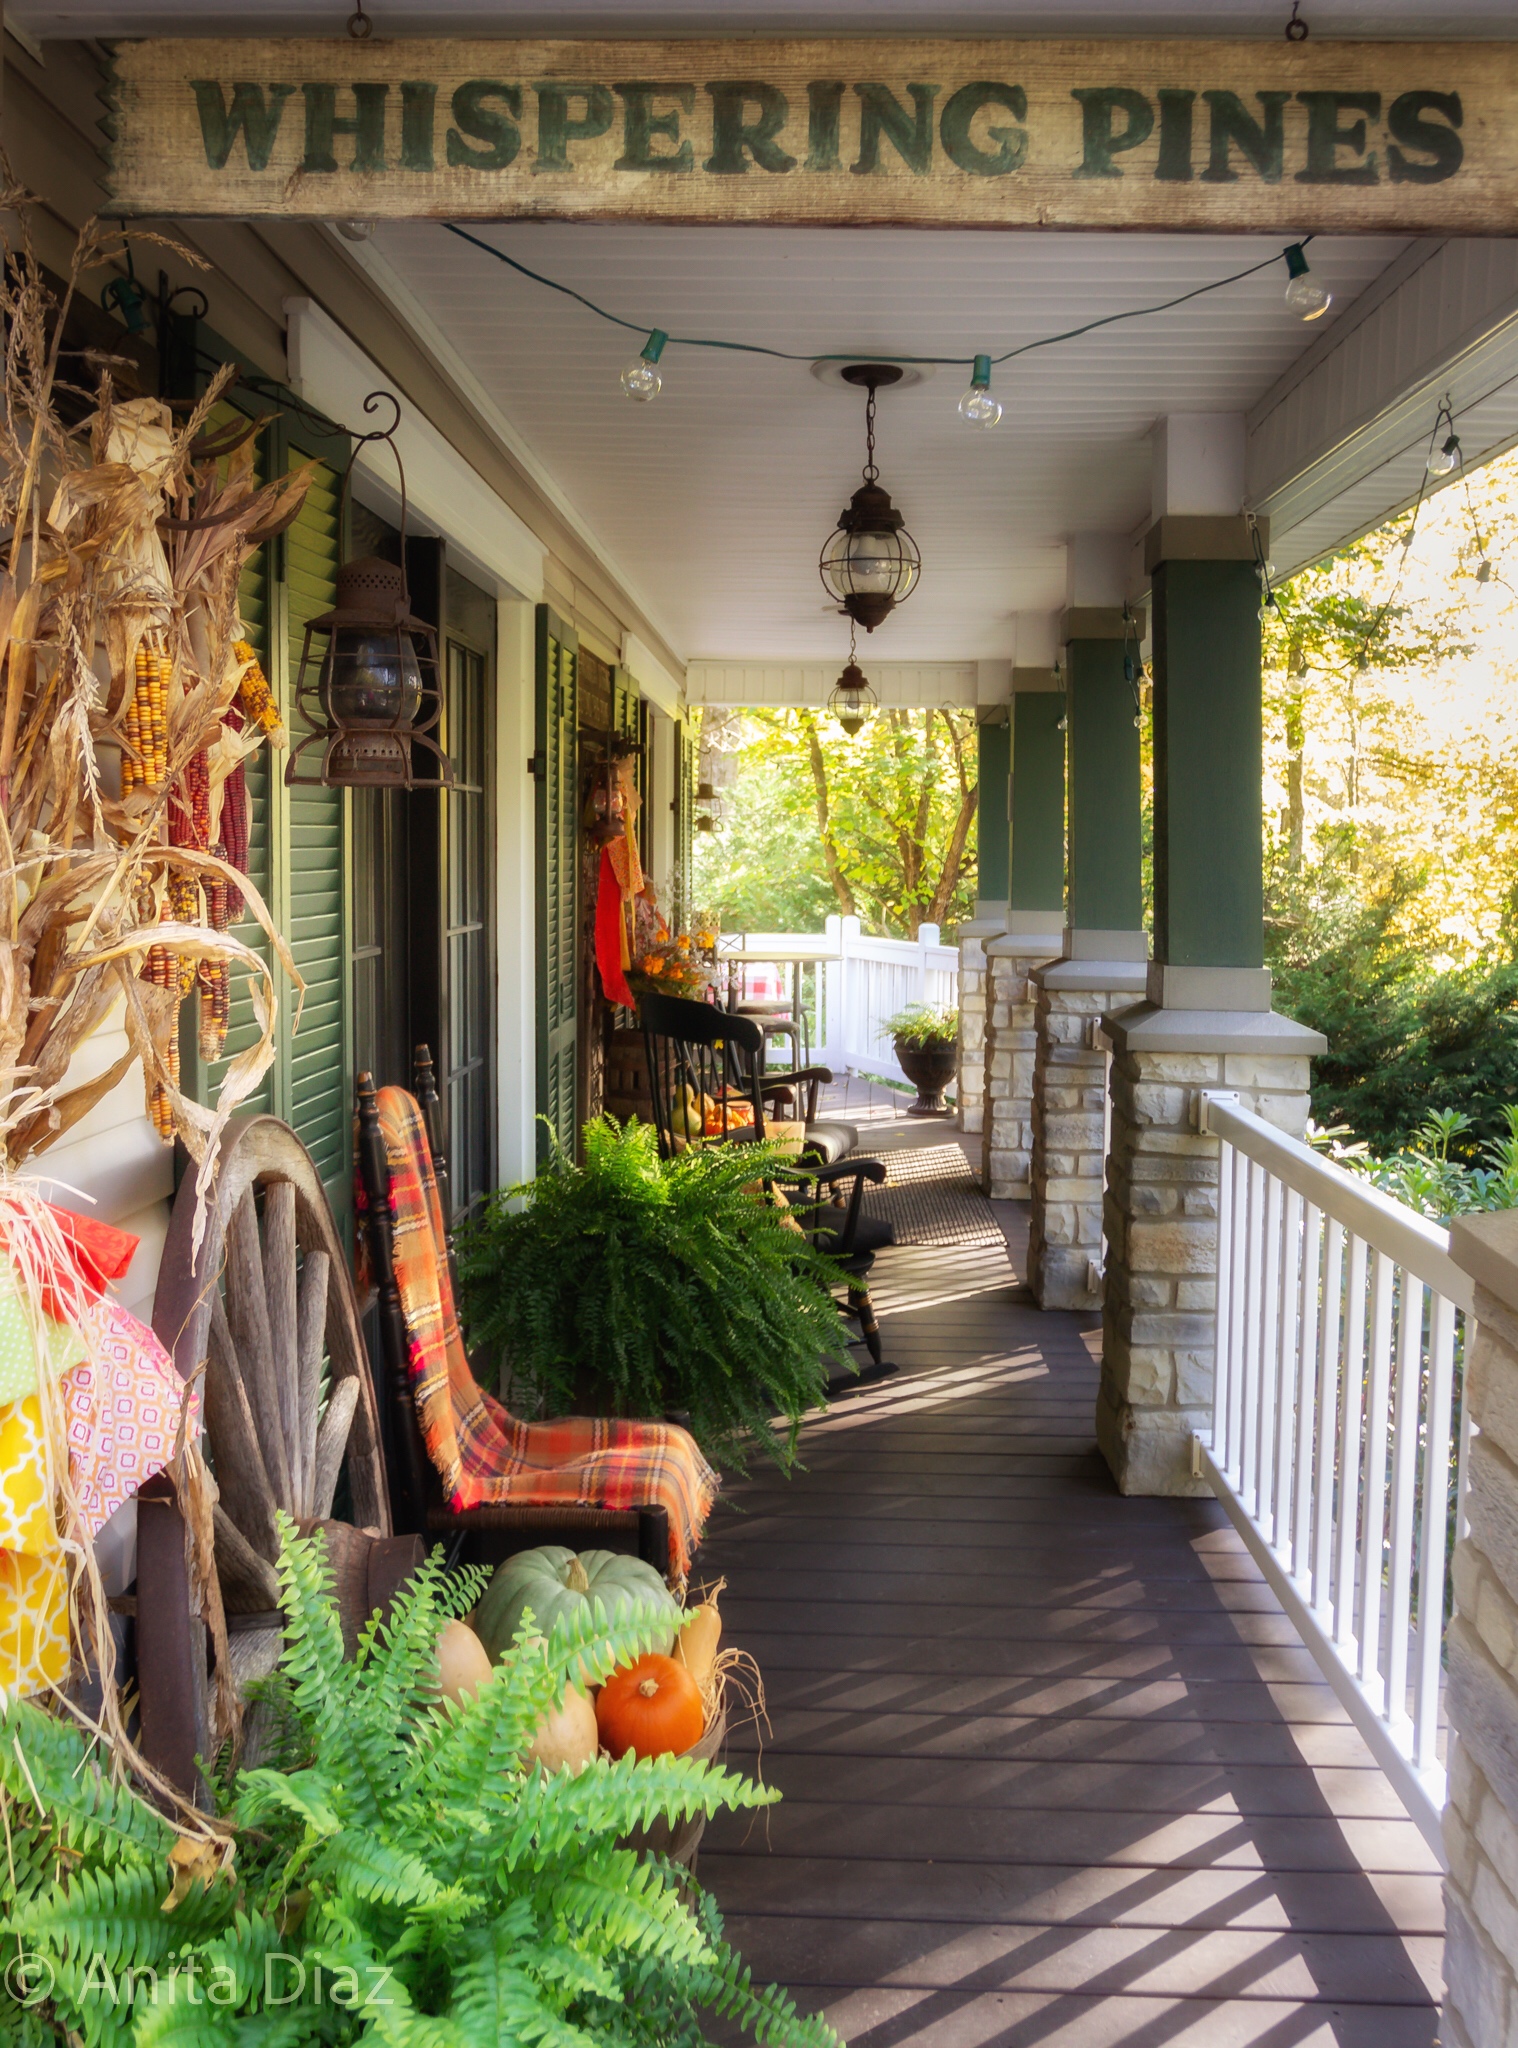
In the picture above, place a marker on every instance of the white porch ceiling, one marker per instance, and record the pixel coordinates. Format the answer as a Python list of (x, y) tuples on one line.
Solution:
[(1369, 18), (713, 501)]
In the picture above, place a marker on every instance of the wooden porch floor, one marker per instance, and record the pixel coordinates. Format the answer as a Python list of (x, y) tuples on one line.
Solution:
[(1056, 1768)]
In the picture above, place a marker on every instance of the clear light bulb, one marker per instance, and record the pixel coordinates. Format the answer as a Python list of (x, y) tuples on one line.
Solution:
[(1304, 294), (355, 230), (1444, 461), (978, 406), (641, 379)]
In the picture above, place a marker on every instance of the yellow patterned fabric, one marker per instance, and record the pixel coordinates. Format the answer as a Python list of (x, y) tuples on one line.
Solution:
[(34, 1621), (26, 1480)]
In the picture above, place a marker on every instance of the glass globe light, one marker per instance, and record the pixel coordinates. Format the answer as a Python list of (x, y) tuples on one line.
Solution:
[(1445, 460), (641, 379), (978, 406), (1304, 294)]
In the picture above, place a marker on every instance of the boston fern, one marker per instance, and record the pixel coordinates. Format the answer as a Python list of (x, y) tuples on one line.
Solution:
[(661, 1284), (403, 1881)]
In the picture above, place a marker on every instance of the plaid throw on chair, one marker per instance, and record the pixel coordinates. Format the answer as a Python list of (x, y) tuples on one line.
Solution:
[(484, 1455)]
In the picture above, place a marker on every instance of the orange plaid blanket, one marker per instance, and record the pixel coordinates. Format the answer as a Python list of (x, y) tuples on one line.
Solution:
[(483, 1454)]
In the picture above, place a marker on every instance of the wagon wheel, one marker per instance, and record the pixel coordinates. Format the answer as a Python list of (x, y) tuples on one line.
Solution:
[(266, 1305)]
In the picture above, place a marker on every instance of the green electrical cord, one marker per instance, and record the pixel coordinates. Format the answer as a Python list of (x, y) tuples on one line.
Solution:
[(754, 348)]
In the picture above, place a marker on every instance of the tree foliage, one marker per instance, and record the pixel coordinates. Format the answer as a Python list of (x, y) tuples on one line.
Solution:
[(402, 1878), (880, 826)]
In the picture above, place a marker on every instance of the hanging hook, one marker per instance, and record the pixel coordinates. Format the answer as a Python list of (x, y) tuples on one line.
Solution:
[(1296, 28), (387, 435), (360, 27)]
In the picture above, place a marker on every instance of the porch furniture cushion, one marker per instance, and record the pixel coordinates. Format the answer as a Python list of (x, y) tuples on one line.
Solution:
[(483, 1455), (828, 1143), (870, 1235)]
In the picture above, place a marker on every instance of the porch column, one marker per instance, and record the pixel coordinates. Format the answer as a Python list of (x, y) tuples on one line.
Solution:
[(1035, 918), (1104, 951), (992, 829), (1481, 1818), (1206, 1021)]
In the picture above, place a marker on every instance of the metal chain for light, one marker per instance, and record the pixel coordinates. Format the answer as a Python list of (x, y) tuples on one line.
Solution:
[(871, 473), (1296, 29), (360, 27)]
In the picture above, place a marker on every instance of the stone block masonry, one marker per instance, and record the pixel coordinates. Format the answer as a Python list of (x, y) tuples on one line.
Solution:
[(1069, 1124), (1159, 1315), (1481, 1818), (971, 1076), (1011, 1045)]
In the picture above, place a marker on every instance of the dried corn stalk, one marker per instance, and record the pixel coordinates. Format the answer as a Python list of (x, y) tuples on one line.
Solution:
[(120, 640)]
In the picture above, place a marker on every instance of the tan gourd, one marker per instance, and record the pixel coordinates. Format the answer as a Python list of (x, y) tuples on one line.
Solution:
[(462, 1663), (567, 1737), (697, 1647)]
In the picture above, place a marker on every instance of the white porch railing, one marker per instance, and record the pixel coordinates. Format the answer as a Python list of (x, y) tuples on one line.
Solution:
[(1340, 1318), (849, 984)]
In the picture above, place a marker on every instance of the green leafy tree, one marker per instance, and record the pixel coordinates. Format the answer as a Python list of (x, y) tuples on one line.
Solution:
[(401, 1878), (880, 826)]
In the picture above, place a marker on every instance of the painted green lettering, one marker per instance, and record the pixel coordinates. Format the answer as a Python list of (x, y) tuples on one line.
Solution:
[(1432, 138), (1174, 164), (366, 125), (248, 115), (1100, 142), (640, 124), (1263, 141), (555, 129), (960, 146), (1327, 134), (418, 111), (487, 123), (824, 99), (735, 140), (910, 135)]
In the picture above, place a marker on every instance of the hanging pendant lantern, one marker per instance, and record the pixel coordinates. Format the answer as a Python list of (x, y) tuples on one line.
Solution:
[(372, 692), (713, 808), (853, 703), (869, 562)]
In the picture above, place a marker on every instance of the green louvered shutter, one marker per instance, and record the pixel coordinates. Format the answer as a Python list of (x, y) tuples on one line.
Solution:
[(316, 1082), (556, 718), (685, 822)]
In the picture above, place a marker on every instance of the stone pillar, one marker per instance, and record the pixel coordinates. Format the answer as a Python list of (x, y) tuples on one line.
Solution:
[(1104, 944), (1481, 1819), (1206, 1021), (1035, 919), (990, 919)]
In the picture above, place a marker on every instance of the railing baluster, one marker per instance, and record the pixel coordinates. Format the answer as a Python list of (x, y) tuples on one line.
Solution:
[(1223, 1369), (1373, 1510), (1308, 1475), (1270, 1302), (1330, 1334), (1434, 1545), (1239, 1307), (1286, 1368), (1248, 1393), (1351, 1398), (1404, 1481)]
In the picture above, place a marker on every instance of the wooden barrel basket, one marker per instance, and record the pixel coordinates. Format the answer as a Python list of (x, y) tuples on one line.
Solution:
[(680, 1840)]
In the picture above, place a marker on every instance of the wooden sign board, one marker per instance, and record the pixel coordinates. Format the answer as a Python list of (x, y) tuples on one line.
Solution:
[(1293, 138)]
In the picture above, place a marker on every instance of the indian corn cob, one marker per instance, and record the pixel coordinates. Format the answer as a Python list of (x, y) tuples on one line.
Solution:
[(254, 694)]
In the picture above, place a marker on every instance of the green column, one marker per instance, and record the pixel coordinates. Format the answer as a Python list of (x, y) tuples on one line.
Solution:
[(1208, 896), (993, 820), (1037, 880), (1106, 803)]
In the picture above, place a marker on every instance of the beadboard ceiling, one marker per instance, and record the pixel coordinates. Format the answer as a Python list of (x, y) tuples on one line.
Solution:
[(713, 501), (1407, 18)]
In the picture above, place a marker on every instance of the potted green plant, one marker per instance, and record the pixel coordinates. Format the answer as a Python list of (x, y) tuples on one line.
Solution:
[(633, 1285), (926, 1042), (405, 1870)]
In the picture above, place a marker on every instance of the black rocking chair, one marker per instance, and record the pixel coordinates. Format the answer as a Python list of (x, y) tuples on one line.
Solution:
[(696, 1054), (484, 1534)]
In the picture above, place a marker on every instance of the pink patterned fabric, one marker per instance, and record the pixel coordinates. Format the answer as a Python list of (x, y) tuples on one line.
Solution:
[(123, 1413)]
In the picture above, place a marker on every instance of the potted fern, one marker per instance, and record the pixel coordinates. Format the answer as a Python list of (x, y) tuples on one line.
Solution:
[(926, 1043), (398, 1875), (631, 1285)]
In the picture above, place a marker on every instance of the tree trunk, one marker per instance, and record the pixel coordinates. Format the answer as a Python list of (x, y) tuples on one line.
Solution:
[(836, 876)]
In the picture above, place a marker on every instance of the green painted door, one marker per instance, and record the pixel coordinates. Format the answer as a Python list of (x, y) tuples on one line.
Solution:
[(685, 821), (557, 821)]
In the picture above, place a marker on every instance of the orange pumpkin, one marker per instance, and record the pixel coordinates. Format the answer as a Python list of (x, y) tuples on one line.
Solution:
[(651, 1708)]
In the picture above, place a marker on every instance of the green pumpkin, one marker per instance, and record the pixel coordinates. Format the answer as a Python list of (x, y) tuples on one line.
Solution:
[(553, 1581)]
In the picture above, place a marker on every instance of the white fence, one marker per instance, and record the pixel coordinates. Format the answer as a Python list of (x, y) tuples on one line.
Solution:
[(849, 985), (1341, 1317)]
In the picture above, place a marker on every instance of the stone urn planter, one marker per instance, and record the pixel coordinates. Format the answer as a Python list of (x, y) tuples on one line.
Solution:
[(930, 1069)]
